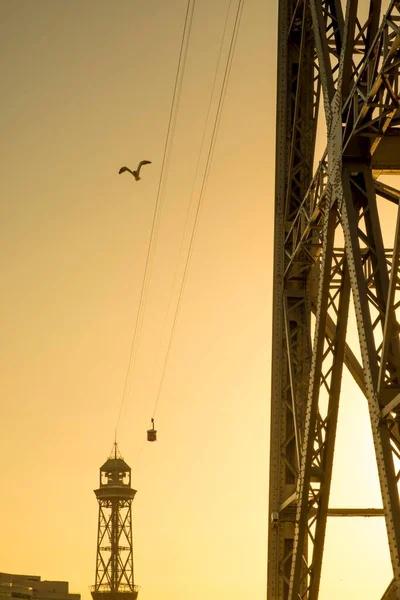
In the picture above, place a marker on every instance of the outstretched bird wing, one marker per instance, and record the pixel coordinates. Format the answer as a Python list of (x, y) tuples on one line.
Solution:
[(122, 170), (140, 165)]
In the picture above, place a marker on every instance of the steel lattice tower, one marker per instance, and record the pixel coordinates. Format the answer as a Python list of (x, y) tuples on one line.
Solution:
[(338, 62), (114, 561)]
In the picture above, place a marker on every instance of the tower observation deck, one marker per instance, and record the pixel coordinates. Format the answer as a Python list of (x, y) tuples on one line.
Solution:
[(114, 559)]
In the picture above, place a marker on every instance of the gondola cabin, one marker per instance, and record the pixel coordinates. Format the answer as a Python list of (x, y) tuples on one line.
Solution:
[(152, 433)]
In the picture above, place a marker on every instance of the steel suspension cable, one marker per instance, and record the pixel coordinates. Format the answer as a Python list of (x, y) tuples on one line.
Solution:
[(202, 190), (188, 212), (158, 204)]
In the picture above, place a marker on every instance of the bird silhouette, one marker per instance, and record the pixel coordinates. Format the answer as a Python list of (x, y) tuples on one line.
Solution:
[(135, 173)]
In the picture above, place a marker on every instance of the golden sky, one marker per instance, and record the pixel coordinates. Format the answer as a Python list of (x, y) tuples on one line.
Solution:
[(87, 88)]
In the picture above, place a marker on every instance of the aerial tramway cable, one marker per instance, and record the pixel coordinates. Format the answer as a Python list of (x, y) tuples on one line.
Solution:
[(157, 209), (151, 434), (188, 212), (204, 180)]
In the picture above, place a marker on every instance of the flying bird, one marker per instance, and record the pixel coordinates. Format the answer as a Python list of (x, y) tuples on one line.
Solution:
[(135, 173)]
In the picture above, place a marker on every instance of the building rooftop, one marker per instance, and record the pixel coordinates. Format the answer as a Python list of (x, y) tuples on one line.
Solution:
[(32, 587)]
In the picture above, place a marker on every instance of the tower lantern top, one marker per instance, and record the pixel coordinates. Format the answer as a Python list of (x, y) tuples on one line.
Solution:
[(115, 472)]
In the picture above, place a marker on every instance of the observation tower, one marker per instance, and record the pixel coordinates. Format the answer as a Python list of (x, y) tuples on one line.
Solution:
[(114, 559)]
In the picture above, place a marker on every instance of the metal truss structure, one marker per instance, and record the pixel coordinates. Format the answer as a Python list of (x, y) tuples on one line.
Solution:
[(339, 65), (114, 559)]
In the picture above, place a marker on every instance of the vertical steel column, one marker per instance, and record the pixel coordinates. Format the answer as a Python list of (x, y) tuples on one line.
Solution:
[(297, 106)]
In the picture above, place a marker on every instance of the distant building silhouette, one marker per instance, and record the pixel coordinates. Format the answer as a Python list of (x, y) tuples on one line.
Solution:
[(114, 559), (31, 587)]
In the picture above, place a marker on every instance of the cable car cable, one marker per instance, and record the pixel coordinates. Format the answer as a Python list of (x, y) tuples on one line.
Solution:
[(157, 209), (185, 228), (202, 190)]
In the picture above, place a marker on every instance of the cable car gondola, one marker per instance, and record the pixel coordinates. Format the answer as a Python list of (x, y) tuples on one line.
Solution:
[(152, 433)]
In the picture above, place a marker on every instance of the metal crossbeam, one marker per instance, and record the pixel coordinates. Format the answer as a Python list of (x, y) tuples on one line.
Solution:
[(356, 65)]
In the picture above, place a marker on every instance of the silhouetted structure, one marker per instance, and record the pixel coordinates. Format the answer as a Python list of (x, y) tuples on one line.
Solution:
[(31, 587), (333, 257), (114, 562)]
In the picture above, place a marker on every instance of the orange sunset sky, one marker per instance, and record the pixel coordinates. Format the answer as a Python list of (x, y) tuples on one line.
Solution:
[(86, 88)]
